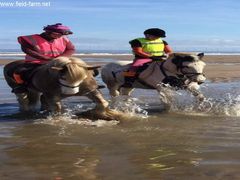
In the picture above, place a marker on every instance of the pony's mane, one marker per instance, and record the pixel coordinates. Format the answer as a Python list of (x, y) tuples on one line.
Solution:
[(74, 68), (183, 57)]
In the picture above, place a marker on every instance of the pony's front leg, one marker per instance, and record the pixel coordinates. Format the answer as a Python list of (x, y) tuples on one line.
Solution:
[(101, 110), (193, 87), (165, 96), (51, 103), (96, 96)]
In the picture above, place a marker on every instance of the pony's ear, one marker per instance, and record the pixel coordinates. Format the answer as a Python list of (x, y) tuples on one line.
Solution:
[(200, 55), (56, 68), (93, 67)]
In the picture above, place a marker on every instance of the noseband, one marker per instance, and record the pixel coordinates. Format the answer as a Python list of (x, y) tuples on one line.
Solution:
[(60, 82)]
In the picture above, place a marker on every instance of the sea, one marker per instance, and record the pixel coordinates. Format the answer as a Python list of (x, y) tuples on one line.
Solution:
[(190, 141)]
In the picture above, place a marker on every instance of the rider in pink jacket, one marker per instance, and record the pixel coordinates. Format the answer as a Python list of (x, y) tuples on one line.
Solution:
[(41, 48)]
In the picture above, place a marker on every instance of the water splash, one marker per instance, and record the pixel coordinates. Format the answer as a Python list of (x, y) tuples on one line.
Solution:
[(221, 99), (228, 105), (69, 118), (129, 105)]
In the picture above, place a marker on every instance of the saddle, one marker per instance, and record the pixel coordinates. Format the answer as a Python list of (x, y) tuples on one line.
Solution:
[(131, 77)]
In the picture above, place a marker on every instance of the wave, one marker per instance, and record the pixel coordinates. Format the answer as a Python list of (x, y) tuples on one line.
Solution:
[(12, 54), (77, 54)]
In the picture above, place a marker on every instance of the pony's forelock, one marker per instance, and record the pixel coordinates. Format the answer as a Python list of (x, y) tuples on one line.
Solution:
[(75, 73)]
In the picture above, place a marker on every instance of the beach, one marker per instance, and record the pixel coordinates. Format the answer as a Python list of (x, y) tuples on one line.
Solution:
[(194, 140), (219, 68)]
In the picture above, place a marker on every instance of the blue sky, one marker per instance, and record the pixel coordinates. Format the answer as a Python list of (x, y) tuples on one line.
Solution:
[(198, 25)]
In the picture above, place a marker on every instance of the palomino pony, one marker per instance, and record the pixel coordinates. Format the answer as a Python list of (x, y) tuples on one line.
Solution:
[(58, 79), (180, 70)]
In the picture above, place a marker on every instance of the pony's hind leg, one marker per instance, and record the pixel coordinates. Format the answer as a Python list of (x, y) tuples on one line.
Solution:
[(23, 101), (27, 101), (126, 91), (34, 98), (44, 104), (113, 91)]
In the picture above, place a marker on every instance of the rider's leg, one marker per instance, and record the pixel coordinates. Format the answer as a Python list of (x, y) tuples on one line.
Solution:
[(130, 76), (21, 76)]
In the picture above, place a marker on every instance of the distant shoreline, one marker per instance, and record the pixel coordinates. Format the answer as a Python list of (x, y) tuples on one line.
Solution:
[(218, 68), (129, 57)]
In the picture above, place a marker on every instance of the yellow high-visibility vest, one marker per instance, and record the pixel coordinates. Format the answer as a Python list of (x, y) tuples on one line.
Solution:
[(153, 47)]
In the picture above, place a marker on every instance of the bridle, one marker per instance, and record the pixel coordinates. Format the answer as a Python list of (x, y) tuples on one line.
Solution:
[(184, 75), (187, 74)]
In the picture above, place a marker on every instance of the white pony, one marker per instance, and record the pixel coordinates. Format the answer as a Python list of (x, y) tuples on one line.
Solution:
[(180, 70)]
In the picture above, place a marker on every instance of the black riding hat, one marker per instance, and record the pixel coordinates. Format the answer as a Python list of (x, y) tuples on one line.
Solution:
[(155, 32)]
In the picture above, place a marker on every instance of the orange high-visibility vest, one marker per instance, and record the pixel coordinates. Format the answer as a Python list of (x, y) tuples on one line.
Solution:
[(51, 49)]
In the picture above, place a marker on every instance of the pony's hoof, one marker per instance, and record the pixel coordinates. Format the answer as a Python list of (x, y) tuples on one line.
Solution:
[(96, 115), (200, 97)]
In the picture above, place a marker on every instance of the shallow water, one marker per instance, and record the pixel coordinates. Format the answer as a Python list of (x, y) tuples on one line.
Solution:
[(192, 141)]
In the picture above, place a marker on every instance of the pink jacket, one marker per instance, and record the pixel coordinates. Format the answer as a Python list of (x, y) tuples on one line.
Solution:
[(42, 46)]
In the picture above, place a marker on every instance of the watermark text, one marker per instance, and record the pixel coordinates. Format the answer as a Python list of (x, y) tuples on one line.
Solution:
[(25, 4)]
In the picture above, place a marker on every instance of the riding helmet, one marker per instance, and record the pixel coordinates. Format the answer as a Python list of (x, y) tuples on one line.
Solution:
[(155, 32)]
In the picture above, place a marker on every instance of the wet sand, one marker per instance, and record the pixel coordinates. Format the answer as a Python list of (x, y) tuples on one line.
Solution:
[(219, 67)]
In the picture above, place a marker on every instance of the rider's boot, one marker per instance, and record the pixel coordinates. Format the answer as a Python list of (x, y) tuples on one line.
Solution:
[(19, 89)]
